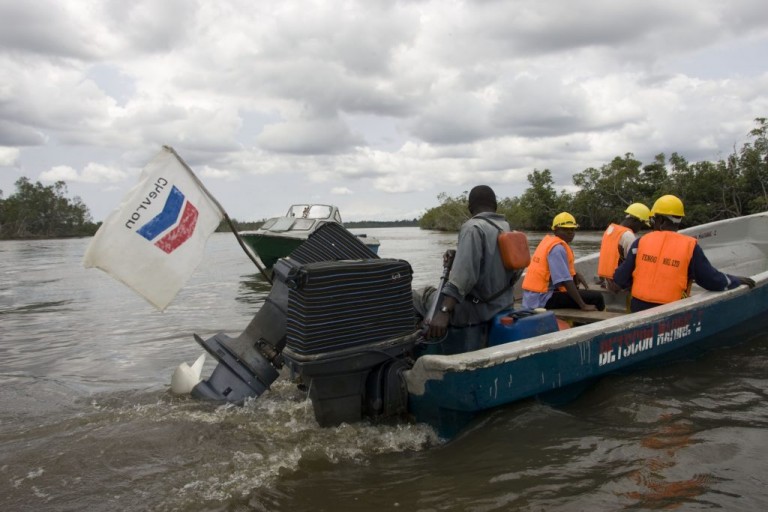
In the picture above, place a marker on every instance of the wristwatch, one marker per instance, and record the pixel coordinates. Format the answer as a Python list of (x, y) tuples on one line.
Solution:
[(444, 309)]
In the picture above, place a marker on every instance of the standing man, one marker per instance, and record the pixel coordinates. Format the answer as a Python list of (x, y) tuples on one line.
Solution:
[(618, 238), (661, 265), (551, 281), (478, 286)]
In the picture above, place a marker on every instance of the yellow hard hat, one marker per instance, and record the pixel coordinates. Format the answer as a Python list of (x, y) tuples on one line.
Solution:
[(639, 211), (564, 220), (668, 205)]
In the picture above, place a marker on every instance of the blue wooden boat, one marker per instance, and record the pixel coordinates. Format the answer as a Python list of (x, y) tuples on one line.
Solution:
[(357, 366)]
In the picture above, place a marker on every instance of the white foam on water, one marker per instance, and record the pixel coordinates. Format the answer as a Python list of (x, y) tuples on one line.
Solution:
[(260, 442)]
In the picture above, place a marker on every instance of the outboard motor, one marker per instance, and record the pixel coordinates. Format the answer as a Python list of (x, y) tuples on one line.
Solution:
[(248, 364), (339, 318), (350, 330)]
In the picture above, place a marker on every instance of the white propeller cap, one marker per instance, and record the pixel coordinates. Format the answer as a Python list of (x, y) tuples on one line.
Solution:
[(186, 377)]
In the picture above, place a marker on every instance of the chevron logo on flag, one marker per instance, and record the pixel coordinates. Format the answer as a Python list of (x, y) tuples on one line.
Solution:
[(170, 209), (167, 218)]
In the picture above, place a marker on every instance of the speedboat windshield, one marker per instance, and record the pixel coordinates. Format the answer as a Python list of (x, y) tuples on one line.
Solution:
[(310, 211), (297, 210)]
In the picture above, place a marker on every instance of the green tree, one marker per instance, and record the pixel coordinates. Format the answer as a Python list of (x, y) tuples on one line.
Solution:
[(540, 203), (589, 194), (449, 215), (512, 209), (653, 181), (38, 211), (753, 164), (709, 190), (605, 192)]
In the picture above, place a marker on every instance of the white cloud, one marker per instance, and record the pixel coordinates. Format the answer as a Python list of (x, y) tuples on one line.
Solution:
[(97, 173), (220, 174), (9, 157), (60, 172), (318, 136), (92, 173)]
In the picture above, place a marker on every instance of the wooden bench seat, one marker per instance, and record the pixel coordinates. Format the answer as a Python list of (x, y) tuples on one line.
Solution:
[(577, 316)]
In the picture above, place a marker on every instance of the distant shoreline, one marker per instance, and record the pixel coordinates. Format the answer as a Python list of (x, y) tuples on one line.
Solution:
[(251, 226), (382, 224)]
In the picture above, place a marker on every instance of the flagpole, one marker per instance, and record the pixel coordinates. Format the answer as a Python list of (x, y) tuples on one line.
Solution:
[(226, 216)]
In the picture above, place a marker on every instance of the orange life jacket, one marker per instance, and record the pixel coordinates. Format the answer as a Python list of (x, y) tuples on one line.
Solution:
[(661, 267), (538, 275), (609, 250)]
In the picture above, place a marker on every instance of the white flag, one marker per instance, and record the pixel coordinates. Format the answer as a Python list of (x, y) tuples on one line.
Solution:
[(156, 237)]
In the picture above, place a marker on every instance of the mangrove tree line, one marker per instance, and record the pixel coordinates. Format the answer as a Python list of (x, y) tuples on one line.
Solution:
[(40, 211), (734, 186)]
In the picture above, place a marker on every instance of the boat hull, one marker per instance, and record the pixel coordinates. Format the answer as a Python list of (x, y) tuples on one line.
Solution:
[(270, 247), (448, 391)]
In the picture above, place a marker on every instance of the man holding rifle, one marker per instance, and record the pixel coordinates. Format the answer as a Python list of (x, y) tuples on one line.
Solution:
[(478, 285)]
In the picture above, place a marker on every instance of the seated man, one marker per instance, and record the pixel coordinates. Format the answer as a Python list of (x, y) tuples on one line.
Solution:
[(551, 281), (662, 265), (617, 240)]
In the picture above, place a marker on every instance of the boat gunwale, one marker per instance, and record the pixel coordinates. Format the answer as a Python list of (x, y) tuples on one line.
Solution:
[(432, 367)]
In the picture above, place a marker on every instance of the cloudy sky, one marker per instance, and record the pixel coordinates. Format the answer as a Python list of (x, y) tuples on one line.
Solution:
[(376, 106)]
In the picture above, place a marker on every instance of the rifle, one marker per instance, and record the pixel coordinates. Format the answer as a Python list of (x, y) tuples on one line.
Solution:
[(448, 257)]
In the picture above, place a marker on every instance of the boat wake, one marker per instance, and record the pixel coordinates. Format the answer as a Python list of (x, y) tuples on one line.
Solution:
[(227, 453)]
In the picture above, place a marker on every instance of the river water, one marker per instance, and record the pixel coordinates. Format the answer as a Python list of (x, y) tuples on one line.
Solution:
[(87, 420)]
